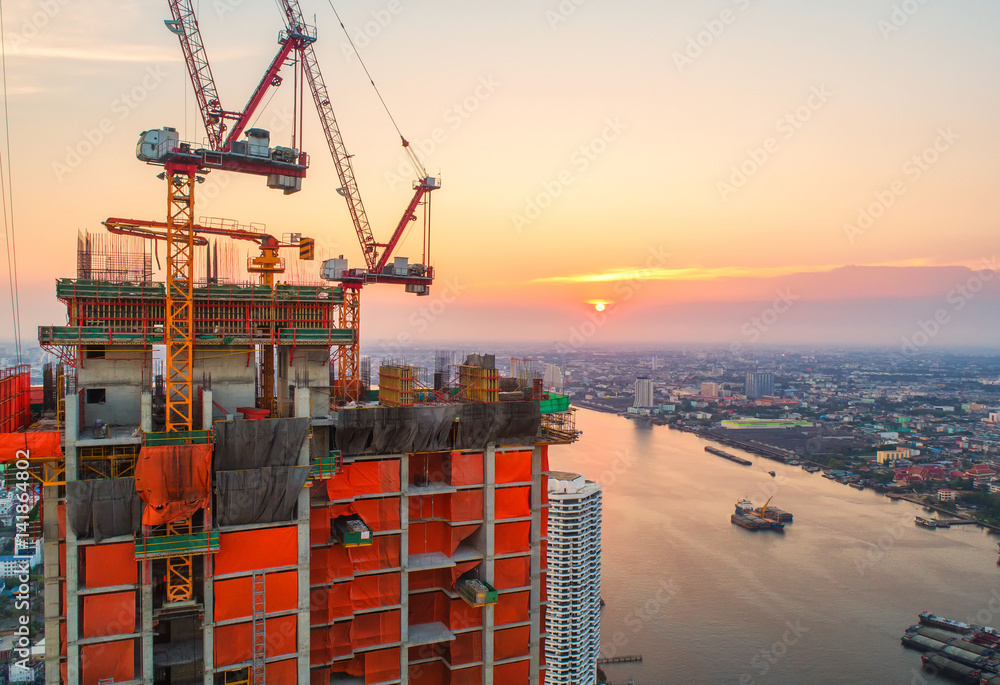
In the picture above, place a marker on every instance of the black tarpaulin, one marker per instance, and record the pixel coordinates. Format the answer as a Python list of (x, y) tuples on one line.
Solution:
[(482, 423), (259, 443), (262, 495), (103, 508)]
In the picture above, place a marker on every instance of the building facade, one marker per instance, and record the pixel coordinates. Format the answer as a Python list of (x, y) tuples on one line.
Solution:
[(643, 392), (759, 384), (573, 615)]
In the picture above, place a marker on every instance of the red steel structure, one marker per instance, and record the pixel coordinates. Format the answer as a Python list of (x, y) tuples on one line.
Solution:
[(15, 398)]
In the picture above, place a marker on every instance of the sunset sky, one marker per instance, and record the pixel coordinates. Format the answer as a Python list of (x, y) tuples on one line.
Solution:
[(686, 163)]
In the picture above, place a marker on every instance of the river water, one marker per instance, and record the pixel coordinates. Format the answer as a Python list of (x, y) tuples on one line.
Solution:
[(705, 601)]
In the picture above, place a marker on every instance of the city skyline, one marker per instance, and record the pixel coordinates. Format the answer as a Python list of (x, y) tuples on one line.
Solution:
[(693, 162)]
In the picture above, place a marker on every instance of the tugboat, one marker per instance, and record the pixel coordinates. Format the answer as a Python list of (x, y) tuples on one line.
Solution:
[(771, 473)]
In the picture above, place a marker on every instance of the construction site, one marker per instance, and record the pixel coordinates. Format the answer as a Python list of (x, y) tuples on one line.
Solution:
[(224, 497)]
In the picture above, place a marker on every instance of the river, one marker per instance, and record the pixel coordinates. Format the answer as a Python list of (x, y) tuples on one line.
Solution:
[(705, 601)]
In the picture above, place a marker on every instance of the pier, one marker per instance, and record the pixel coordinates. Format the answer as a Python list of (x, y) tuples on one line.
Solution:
[(620, 659)]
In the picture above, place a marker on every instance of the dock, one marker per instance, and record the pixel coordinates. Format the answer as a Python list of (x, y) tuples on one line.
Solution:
[(620, 659)]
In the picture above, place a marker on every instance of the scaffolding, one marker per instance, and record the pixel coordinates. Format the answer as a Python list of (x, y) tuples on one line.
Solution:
[(478, 384), (113, 258), (396, 385)]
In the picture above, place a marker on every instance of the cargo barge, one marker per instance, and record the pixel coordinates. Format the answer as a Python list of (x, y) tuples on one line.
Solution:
[(747, 517), (930, 523), (929, 619), (726, 455), (945, 666), (746, 506)]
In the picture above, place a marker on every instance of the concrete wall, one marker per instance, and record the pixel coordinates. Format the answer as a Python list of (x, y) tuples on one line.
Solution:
[(307, 367), (120, 375), (234, 380)]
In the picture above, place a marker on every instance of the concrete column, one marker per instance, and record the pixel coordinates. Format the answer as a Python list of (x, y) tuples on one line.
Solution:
[(146, 412), (206, 409), (72, 568), (146, 602), (535, 611), (404, 562), (302, 531), (486, 569), (50, 566), (208, 631)]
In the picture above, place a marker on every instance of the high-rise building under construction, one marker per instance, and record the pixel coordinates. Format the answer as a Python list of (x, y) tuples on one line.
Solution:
[(399, 539)]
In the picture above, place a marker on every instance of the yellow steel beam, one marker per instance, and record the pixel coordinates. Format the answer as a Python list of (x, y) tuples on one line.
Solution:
[(349, 356), (179, 325)]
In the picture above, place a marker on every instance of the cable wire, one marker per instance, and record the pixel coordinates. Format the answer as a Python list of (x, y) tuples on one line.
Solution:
[(6, 192)]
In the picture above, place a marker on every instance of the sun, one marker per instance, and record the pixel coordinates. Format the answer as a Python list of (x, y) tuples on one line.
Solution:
[(599, 306)]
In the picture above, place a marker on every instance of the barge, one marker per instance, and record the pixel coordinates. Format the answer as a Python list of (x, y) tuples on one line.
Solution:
[(726, 455), (949, 667)]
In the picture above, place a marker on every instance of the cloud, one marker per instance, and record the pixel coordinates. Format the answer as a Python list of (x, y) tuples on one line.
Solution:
[(132, 53)]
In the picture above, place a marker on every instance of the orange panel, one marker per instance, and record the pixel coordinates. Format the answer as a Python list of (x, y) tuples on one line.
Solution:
[(282, 672), (319, 677), (511, 643), (513, 502), (108, 565), (234, 597), (467, 505), (428, 607), (379, 514), (369, 630), (545, 522), (466, 468), (320, 649), (281, 635), (512, 608), (34, 444), (371, 592), (511, 674), (233, 644), (513, 467), (339, 487), (62, 561), (328, 564), (429, 673), (373, 477), (108, 614), (173, 481), (473, 675), (382, 665), (512, 573), (61, 517), (249, 550), (510, 538), (382, 554), (466, 648), (115, 660), (461, 615)]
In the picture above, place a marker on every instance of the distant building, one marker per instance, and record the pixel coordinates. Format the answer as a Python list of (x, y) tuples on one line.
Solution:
[(709, 389), (946, 495), (759, 384), (643, 392), (13, 566), (573, 614), (891, 454), (553, 378)]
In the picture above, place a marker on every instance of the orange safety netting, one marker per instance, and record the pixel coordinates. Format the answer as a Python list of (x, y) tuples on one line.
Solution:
[(544, 589), (379, 514), (512, 537), (329, 643), (319, 521), (466, 648), (381, 665), (326, 564), (511, 573), (319, 677), (473, 675), (107, 565), (512, 608), (515, 673), (339, 487), (544, 555), (383, 553), (541, 650), (234, 597), (437, 536), (173, 481), (371, 592), (234, 642), (427, 507), (282, 672), (429, 673), (327, 604), (513, 502), (33, 445), (108, 660), (369, 630), (61, 517), (466, 468), (545, 522), (467, 505), (249, 550), (428, 607), (513, 467), (373, 477), (461, 615), (108, 614), (440, 578), (511, 643)]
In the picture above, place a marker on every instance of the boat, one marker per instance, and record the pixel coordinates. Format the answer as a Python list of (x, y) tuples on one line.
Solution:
[(771, 473), (931, 523), (857, 486), (726, 455), (750, 523), (941, 664), (929, 619)]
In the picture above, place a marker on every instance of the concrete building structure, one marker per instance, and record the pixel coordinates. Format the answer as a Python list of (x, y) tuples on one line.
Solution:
[(709, 390), (759, 384), (643, 392), (573, 615)]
